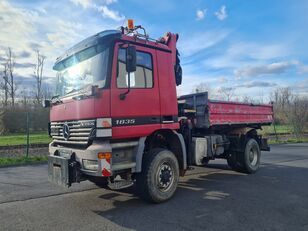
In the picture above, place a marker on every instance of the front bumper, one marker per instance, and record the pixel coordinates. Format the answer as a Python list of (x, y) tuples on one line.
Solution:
[(89, 153)]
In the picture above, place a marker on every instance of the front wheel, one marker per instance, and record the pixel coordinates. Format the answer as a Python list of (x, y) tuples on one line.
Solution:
[(159, 177)]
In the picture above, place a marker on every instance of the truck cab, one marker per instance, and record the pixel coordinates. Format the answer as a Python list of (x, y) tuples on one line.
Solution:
[(116, 120)]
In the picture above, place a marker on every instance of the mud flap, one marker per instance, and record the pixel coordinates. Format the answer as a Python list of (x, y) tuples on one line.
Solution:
[(264, 145), (63, 171)]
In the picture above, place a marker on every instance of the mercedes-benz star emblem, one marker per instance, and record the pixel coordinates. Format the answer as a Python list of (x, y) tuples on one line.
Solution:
[(66, 131)]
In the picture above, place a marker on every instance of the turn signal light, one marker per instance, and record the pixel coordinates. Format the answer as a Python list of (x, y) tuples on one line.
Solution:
[(106, 124), (104, 155)]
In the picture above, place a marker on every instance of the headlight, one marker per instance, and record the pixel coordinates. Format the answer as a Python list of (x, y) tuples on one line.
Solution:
[(90, 165)]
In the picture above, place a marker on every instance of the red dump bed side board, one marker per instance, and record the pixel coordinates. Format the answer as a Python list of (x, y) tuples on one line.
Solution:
[(222, 112)]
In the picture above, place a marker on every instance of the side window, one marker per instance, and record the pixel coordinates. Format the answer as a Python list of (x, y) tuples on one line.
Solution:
[(142, 77)]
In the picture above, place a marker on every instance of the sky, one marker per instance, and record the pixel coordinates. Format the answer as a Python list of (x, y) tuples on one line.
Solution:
[(251, 47)]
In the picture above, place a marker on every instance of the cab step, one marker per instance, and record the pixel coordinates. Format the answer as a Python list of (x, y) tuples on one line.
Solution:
[(120, 184)]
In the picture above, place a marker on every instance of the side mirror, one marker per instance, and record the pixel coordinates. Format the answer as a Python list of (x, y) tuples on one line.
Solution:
[(130, 59), (178, 74), (46, 103), (130, 67)]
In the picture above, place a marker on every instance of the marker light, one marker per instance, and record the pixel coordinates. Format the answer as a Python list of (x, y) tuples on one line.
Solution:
[(130, 24), (104, 155)]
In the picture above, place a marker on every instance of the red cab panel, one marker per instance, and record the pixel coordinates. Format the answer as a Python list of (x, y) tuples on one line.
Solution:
[(94, 107)]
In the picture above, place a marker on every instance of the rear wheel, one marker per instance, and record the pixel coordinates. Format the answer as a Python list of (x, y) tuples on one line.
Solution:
[(250, 159), (159, 177), (233, 162)]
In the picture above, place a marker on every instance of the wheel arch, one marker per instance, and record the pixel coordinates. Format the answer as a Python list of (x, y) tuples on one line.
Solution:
[(163, 138)]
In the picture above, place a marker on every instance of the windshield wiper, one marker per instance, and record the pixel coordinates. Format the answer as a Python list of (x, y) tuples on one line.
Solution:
[(56, 99), (74, 90), (84, 92)]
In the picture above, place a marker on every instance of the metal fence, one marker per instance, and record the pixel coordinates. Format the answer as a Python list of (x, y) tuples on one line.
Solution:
[(18, 124)]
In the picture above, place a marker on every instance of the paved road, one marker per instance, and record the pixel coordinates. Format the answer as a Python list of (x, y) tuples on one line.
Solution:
[(214, 198)]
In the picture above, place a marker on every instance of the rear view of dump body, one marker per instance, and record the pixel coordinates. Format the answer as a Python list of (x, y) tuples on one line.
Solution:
[(215, 113)]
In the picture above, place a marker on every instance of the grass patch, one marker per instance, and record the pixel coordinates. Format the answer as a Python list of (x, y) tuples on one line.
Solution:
[(289, 141), (19, 139), (280, 129), (7, 161)]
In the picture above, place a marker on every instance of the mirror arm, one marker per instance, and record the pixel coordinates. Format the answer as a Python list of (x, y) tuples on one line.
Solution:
[(123, 95)]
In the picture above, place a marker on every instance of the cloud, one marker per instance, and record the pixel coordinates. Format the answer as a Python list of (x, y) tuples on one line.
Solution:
[(24, 65), (37, 34), (222, 13), (16, 23), (273, 68), (108, 2), (200, 14), (108, 13), (83, 3), (301, 87), (24, 54), (258, 50), (34, 45), (65, 34), (242, 54), (202, 40), (252, 84), (302, 68), (103, 9)]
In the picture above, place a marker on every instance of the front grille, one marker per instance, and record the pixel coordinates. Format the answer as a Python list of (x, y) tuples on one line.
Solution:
[(76, 132)]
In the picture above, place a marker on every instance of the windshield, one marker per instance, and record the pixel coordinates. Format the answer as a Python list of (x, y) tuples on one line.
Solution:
[(85, 68)]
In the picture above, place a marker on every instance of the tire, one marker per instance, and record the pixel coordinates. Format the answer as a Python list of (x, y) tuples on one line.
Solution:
[(233, 162), (250, 158), (205, 162), (159, 177)]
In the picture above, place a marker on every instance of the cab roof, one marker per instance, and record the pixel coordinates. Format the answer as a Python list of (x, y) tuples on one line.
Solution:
[(104, 36)]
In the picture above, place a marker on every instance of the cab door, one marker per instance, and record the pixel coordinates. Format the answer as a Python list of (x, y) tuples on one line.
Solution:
[(138, 112)]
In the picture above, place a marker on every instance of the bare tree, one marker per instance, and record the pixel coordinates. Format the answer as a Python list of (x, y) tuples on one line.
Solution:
[(297, 115), (202, 87), (38, 75), (282, 98), (227, 93), (12, 86), (2, 129), (25, 98), (9, 85), (47, 92), (4, 85), (247, 99), (290, 109)]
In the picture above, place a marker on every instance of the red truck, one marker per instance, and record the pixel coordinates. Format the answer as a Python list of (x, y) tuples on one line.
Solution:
[(116, 119)]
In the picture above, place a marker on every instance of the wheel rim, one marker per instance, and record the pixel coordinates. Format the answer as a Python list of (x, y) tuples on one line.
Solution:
[(253, 156), (164, 177)]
